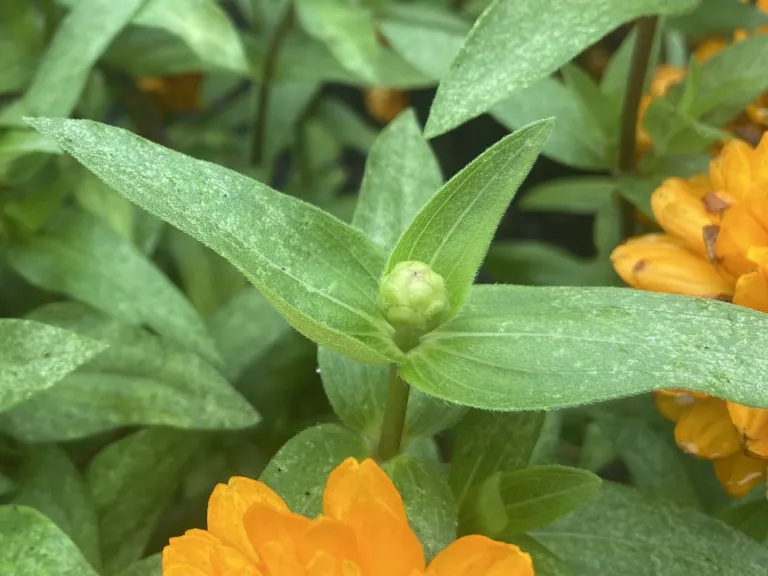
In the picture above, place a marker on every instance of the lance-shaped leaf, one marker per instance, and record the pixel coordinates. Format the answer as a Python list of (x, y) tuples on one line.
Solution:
[(81, 256), (32, 545), (454, 229), (401, 175), (514, 43), (321, 274), (84, 34), (33, 357), (533, 348)]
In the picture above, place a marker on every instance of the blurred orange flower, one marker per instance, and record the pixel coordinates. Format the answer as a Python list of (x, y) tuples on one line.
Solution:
[(715, 246), (384, 104), (180, 93), (363, 531)]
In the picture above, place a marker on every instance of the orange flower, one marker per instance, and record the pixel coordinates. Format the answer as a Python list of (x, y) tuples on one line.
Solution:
[(664, 77), (363, 531), (384, 104), (716, 246), (179, 93)]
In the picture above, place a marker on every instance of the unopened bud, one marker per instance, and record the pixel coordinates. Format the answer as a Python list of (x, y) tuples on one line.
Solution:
[(414, 301)]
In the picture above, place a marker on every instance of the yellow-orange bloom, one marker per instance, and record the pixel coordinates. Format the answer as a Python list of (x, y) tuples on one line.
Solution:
[(384, 104), (363, 531), (180, 93)]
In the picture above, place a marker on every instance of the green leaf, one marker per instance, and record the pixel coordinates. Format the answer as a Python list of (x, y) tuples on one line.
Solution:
[(545, 563), (20, 45), (97, 198), (140, 379), (84, 258), (244, 329), (325, 288), (203, 25), (535, 263), (454, 229), (150, 566), (49, 482), (83, 36), (538, 348), (487, 442), (674, 132), (33, 357), (572, 141), (522, 500), (32, 545), (597, 449), (132, 482), (350, 128), (347, 28), (299, 470), (751, 518), (514, 43), (595, 105), (719, 17), (654, 461), (401, 175), (429, 504), (574, 194), (622, 531)]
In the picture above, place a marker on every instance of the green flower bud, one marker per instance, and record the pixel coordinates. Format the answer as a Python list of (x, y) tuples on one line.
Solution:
[(414, 301)]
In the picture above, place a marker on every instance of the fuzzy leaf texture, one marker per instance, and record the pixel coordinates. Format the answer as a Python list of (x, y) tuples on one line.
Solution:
[(32, 545), (536, 348), (33, 357), (453, 231), (321, 274), (622, 531), (514, 43)]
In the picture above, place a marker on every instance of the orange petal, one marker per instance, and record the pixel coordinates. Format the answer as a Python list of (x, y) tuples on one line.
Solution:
[(475, 555), (751, 422), (680, 213), (731, 171), (739, 473), (384, 104), (661, 263), (757, 447), (706, 430), (739, 231), (200, 553), (387, 545), (664, 77), (227, 506), (333, 538), (671, 406), (752, 291), (709, 49), (353, 480), (276, 536)]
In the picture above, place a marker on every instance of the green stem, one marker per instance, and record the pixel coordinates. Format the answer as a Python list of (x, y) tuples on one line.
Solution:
[(638, 70), (394, 415), (267, 72)]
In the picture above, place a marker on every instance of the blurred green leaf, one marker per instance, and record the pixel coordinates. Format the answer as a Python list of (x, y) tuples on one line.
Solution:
[(245, 328), (84, 34), (522, 500), (149, 566), (84, 258), (515, 43), (100, 200), (20, 45), (325, 288), (545, 563), (622, 531), (300, 469), (536, 348), (674, 132), (453, 230), (32, 545), (132, 482), (49, 482), (428, 500), (751, 518), (33, 357), (140, 379), (574, 194), (533, 263), (597, 449), (488, 442), (348, 30), (595, 105), (350, 128), (654, 461), (719, 17)]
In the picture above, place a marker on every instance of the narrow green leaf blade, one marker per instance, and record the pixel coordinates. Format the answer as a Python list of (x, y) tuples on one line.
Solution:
[(454, 229), (32, 545), (33, 357), (152, 566), (514, 43), (522, 500), (83, 36), (84, 258), (575, 195), (532, 348), (622, 531), (140, 379), (132, 482), (428, 500), (298, 472), (326, 287)]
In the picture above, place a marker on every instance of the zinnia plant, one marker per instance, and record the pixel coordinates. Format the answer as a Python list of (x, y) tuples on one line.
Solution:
[(383, 287)]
